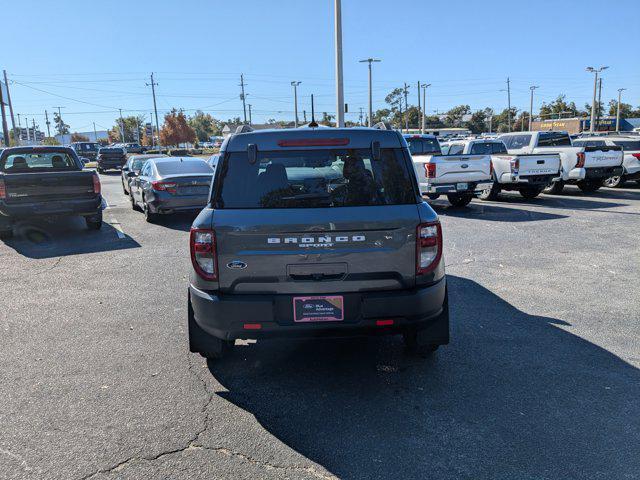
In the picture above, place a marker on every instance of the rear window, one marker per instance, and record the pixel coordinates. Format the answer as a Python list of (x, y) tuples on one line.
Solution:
[(628, 144), (488, 148), (589, 143), (113, 150), (418, 146), (188, 166), (315, 178), (554, 139), (86, 147), (516, 141), (27, 162)]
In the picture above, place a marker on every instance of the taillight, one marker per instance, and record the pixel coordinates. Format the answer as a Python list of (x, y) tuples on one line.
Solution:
[(169, 187), (430, 170), (580, 162), (514, 163), (636, 155), (97, 188), (428, 247), (203, 253), (491, 168)]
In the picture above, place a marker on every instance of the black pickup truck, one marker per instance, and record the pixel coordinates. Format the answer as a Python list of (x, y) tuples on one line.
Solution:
[(111, 158), (46, 181)]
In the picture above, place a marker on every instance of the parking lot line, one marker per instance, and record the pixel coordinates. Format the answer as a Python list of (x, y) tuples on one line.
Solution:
[(115, 224)]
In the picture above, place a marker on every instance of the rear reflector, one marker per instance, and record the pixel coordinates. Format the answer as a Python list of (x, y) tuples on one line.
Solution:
[(314, 142), (384, 323), (252, 326), (97, 188), (636, 155), (3, 190)]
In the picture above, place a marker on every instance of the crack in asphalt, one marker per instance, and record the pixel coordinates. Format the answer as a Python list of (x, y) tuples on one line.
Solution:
[(193, 444)]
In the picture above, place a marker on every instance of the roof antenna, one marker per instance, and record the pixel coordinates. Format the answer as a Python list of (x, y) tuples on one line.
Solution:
[(313, 123)]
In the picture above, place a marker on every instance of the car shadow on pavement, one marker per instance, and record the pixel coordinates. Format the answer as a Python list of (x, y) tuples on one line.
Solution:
[(177, 221), (479, 210), (57, 237), (513, 396)]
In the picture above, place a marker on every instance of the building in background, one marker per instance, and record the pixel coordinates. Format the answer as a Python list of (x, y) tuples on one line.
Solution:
[(92, 137), (579, 125)]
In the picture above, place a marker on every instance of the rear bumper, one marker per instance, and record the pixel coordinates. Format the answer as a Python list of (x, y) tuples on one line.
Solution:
[(600, 173), (633, 176), (176, 204), (83, 206), (527, 180), (224, 316), (111, 164), (458, 187)]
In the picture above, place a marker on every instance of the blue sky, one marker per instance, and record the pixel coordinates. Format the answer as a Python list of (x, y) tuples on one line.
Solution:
[(101, 57)]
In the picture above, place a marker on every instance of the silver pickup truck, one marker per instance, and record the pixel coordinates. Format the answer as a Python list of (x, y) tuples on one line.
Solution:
[(316, 232), (448, 170)]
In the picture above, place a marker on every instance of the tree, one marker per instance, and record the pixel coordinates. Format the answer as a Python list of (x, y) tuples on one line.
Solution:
[(204, 125), (133, 127), (327, 119), (61, 127), (626, 109), (78, 137), (453, 118), (478, 122), (176, 130), (558, 108)]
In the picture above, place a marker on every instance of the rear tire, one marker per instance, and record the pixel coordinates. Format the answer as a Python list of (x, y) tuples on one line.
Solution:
[(530, 193), (149, 216), (210, 347), (613, 182), (555, 188), (459, 200), (588, 186), (124, 189), (490, 193), (94, 222)]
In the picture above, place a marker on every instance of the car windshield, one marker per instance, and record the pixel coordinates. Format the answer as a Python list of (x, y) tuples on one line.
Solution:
[(418, 146), (175, 167), (320, 178), (27, 162), (628, 144), (87, 147)]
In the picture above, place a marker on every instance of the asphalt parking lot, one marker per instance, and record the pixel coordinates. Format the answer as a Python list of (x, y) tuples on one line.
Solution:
[(541, 380)]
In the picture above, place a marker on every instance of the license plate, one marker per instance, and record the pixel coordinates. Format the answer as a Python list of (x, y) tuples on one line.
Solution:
[(190, 190), (462, 186), (318, 309)]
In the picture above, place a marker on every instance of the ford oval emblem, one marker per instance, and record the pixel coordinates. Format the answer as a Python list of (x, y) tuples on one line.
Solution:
[(464, 165), (236, 265)]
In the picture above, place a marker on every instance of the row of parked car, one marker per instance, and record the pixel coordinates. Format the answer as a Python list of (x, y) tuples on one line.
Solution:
[(527, 162)]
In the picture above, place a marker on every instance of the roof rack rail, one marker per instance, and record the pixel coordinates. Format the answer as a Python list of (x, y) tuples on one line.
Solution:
[(382, 126), (244, 129)]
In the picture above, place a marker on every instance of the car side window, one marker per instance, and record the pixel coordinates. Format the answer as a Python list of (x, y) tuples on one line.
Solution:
[(498, 147), (456, 149)]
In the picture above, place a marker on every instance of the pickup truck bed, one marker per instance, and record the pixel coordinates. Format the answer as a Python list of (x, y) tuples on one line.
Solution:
[(31, 186)]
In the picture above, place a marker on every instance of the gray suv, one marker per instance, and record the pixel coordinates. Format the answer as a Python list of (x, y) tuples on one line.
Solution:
[(316, 232)]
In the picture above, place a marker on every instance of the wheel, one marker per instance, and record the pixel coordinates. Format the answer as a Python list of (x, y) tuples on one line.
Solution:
[(555, 188), (149, 216), (531, 192), (459, 200), (201, 342), (433, 196), (94, 222), (490, 193), (589, 186), (124, 189), (613, 182), (414, 344), (6, 234), (134, 205)]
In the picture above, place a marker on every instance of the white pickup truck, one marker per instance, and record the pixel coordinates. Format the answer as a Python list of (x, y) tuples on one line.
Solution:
[(631, 163), (586, 167), (459, 177), (527, 174)]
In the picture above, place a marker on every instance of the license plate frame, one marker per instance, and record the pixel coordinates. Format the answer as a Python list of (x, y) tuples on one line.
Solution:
[(461, 187), (317, 309)]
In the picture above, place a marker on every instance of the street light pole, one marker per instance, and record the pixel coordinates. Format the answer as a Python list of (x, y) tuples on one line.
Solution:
[(339, 83), (596, 71), (620, 90), (295, 101), (424, 107), (532, 88), (121, 126), (370, 61)]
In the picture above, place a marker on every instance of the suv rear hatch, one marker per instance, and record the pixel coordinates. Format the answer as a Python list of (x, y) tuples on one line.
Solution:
[(321, 220)]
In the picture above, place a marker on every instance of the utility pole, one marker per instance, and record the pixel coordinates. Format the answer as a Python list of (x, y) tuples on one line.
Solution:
[(35, 137), (26, 124), (361, 116), (620, 90), (249, 113), (304, 114), (419, 103), (121, 126), (406, 107), (490, 121), (424, 106), (95, 134), (153, 86), (339, 82), (60, 124), (5, 128), (295, 101), (370, 61), (599, 110), (596, 71), (8, 99), (48, 123), (19, 130), (532, 88), (242, 97), (509, 103)]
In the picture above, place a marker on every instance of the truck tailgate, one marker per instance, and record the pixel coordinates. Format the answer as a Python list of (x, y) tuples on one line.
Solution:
[(48, 186), (537, 164), (603, 157), (461, 168)]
